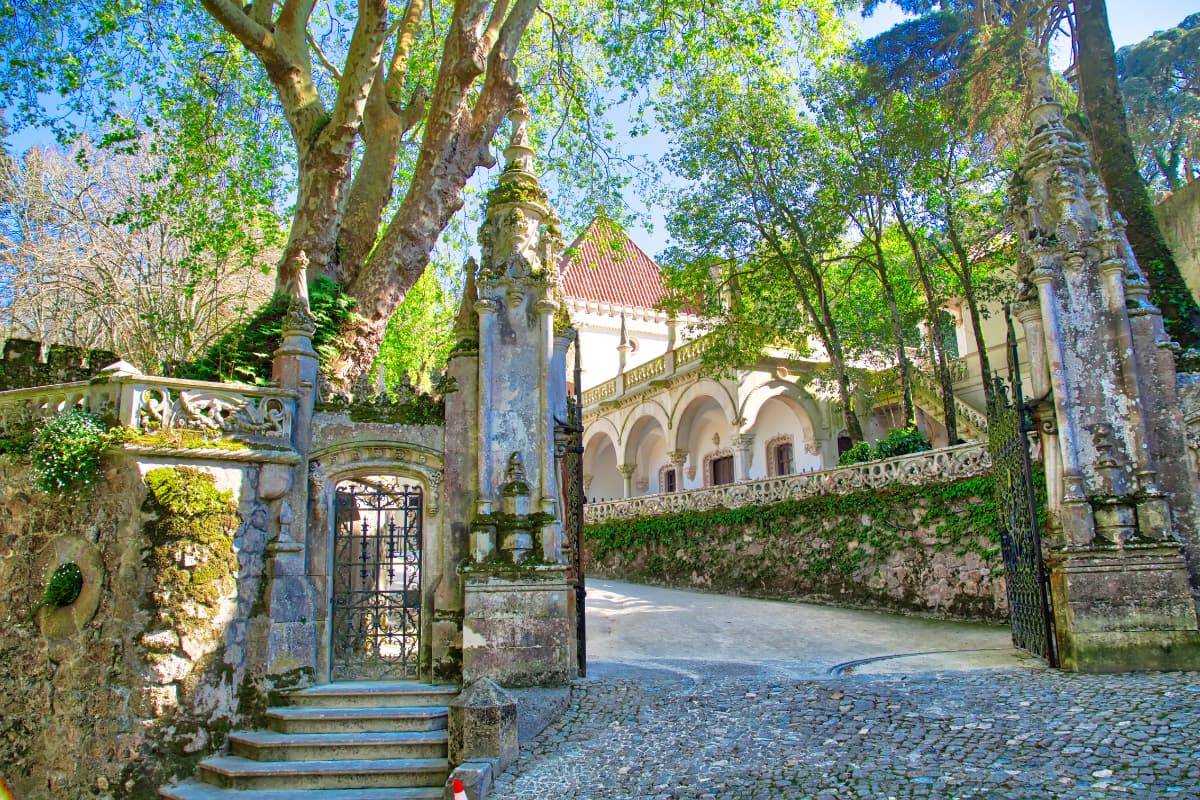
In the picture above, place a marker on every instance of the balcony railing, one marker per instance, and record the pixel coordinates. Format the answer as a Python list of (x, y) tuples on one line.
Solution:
[(252, 414), (932, 466), (602, 391), (644, 372)]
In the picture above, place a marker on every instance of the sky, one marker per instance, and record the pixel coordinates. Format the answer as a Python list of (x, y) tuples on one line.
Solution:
[(1130, 20)]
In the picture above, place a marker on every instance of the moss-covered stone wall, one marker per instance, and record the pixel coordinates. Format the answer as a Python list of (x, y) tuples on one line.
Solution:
[(144, 674), (930, 549)]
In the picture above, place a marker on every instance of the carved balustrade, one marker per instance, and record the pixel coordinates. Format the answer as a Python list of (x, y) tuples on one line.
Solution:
[(644, 372), (253, 414), (602, 391), (932, 466)]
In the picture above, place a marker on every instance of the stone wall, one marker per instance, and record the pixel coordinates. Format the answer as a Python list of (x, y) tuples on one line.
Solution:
[(152, 665), (1179, 216), (930, 549), (24, 364)]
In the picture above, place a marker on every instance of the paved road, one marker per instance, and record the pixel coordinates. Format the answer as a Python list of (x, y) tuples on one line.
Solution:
[(634, 625), (740, 704)]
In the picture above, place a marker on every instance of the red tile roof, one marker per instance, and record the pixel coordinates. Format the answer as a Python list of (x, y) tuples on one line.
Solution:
[(603, 265)]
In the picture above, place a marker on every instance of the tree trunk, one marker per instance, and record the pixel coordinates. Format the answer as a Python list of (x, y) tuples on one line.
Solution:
[(933, 322), (968, 286), (1116, 161), (889, 295)]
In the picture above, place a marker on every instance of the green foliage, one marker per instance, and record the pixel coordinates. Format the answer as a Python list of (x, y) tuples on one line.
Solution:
[(898, 442), (420, 334), (66, 451), (857, 454), (187, 492), (63, 586), (1158, 80), (244, 353), (901, 442)]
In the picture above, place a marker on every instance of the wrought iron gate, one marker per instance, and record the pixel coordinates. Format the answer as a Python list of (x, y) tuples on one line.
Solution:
[(1020, 539), (568, 438), (376, 619)]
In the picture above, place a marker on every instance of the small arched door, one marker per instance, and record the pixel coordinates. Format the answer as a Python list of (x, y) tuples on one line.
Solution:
[(376, 598)]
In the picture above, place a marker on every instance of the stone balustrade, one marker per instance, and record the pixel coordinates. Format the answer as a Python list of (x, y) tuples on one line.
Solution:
[(253, 414), (602, 391), (644, 372), (932, 466), (932, 386), (692, 351)]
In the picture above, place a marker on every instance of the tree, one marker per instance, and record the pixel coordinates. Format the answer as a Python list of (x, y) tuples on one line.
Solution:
[(420, 334), (758, 220), (1116, 161), (1160, 81), (387, 111), (87, 260)]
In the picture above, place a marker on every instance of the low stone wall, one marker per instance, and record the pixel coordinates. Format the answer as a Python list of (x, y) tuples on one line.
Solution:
[(23, 364), (145, 673), (930, 548)]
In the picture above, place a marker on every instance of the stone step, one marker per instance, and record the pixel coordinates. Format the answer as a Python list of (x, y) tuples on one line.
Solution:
[(235, 772), (274, 746), (359, 694), (301, 719), (195, 790)]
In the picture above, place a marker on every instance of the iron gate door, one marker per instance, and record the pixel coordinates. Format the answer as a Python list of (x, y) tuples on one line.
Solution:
[(1020, 539), (376, 619)]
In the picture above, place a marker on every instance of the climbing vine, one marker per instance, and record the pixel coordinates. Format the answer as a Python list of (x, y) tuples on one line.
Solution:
[(65, 451), (831, 545)]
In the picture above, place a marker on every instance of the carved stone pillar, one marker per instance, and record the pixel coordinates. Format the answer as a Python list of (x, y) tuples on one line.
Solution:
[(743, 451), (517, 626), (626, 471), (1119, 581)]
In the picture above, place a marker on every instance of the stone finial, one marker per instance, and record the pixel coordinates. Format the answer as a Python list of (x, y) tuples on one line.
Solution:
[(466, 325), (516, 470), (121, 369), (519, 153)]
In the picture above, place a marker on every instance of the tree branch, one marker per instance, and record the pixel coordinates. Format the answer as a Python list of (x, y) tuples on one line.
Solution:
[(254, 36)]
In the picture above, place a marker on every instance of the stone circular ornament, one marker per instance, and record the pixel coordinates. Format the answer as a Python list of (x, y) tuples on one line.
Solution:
[(61, 616)]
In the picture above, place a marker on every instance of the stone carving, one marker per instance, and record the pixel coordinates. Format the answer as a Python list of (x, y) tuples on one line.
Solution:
[(268, 418), (946, 464)]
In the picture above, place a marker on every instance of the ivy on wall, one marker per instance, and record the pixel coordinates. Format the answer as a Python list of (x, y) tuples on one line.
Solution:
[(830, 546)]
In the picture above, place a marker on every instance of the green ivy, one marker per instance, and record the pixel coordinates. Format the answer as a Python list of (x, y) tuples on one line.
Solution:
[(63, 586), (65, 451), (245, 352), (828, 540)]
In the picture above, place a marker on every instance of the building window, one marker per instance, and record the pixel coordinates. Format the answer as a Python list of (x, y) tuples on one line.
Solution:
[(670, 483), (844, 443), (781, 456), (784, 463), (722, 470)]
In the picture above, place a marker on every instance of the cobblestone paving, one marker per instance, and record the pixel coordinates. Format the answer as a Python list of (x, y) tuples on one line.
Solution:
[(1012, 734)]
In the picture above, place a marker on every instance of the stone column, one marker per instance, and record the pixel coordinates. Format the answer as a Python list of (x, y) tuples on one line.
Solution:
[(292, 639), (1030, 317), (626, 471), (672, 341), (743, 456), (1120, 585), (517, 625)]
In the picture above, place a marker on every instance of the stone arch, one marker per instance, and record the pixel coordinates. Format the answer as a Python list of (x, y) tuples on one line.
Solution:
[(600, 476), (791, 395), (639, 421), (342, 461), (595, 428), (700, 395)]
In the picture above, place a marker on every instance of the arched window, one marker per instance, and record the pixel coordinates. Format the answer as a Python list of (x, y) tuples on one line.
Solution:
[(781, 455)]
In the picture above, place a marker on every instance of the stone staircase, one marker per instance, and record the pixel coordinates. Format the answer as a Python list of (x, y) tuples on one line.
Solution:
[(370, 740)]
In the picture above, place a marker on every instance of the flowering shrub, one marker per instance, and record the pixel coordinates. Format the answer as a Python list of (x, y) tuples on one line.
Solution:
[(66, 451)]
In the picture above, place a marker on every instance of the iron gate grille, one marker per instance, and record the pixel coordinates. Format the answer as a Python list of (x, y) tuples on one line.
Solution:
[(1020, 539), (376, 581)]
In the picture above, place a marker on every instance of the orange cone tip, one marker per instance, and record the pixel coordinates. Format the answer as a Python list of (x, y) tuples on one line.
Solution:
[(459, 792)]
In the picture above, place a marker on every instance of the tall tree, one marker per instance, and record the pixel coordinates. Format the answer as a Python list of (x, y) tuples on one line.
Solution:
[(1116, 161)]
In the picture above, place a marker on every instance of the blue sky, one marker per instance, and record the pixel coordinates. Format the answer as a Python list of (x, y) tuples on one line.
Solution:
[(1131, 21)]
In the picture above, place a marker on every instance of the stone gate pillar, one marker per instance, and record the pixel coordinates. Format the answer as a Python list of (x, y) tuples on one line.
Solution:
[(1122, 497), (517, 628)]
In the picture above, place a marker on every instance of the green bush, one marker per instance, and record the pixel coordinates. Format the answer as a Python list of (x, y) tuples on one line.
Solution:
[(63, 586), (244, 353), (66, 451), (856, 455), (901, 442)]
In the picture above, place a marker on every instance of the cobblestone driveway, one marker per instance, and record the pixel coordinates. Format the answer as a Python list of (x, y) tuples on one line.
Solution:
[(656, 733)]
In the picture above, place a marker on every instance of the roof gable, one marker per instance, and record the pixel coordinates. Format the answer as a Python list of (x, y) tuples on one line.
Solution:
[(604, 265)]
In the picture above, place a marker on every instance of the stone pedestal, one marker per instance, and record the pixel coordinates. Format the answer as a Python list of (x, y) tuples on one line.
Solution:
[(483, 726), (517, 625), (1118, 610)]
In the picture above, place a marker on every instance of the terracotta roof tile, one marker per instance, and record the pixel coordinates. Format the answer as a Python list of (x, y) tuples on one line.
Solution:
[(604, 265)]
